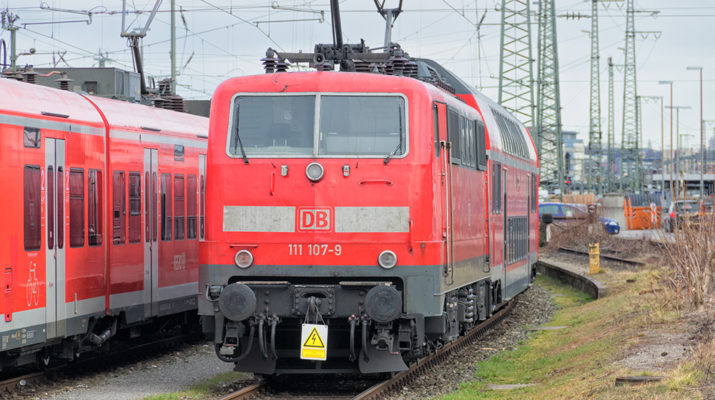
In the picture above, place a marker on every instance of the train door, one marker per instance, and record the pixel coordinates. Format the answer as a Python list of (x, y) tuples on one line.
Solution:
[(55, 189), (151, 248), (443, 154), (505, 230)]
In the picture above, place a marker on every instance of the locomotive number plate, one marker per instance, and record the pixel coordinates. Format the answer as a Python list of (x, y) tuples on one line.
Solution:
[(314, 342), (314, 249)]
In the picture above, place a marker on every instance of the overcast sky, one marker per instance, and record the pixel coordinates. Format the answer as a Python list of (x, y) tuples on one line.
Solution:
[(225, 38)]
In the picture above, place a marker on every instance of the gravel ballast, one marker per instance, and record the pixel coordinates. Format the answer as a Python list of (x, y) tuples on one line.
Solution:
[(533, 309), (170, 371)]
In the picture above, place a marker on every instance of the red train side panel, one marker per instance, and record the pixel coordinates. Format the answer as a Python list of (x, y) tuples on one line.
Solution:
[(75, 189)]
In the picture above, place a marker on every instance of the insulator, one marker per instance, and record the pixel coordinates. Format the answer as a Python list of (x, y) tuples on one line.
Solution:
[(282, 66), (176, 103), (363, 66), (411, 69), (269, 61), (64, 81), (165, 86), (30, 76), (160, 102)]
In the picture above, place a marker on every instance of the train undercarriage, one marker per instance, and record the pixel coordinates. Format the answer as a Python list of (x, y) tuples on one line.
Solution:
[(257, 324)]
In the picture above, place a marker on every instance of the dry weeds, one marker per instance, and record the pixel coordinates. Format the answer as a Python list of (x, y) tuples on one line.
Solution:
[(691, 257)]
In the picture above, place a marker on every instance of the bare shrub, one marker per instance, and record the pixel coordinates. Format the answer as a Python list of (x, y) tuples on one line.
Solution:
[(690, 254)]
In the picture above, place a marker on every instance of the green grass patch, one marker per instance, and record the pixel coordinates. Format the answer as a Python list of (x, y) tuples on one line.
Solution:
[(579, 361), (200, 390)]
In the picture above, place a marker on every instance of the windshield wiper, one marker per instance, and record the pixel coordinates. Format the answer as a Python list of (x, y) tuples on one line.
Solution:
[(238, 137), (399, 145)]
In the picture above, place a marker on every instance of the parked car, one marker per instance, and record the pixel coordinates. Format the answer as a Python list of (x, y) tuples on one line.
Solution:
[(685, 210), (566, 214)]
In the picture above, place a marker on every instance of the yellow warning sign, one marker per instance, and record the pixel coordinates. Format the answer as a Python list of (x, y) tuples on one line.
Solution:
[(314, 342)]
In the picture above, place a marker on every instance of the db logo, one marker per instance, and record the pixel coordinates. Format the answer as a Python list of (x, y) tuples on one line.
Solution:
[(315, 219)]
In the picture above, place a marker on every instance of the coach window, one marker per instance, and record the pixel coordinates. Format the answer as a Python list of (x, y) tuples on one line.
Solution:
[(135, 207), (118, 208), (31, 182), (202, 208), (50, 207), (496, 187), (166, 206), (76, 207), (191, 207), (94, 207), (31, 137), (453, 133), (472, 143), (60, 208), (179, 207)]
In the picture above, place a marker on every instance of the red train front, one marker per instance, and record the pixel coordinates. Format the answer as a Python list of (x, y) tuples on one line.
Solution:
[(360, 203)]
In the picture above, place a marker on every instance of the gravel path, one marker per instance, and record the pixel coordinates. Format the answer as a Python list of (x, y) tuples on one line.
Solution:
[(172, 371), (534, 308)]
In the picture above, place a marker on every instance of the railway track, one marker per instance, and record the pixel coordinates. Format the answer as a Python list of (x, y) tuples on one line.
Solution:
[(604, 256), (397, 382), (96, 359)]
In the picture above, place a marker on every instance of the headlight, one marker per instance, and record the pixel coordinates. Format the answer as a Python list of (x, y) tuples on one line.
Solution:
[(387, 259), (243, 259), (314, 171)]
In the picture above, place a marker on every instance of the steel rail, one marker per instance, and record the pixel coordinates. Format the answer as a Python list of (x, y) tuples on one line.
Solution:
[(604, 256), (396, 383), (246, 392)]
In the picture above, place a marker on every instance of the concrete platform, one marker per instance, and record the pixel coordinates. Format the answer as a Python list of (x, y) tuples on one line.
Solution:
[(572, 275)]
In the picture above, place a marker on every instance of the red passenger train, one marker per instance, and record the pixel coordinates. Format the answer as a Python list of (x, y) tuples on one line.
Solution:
[(391, 204), (105, 211)]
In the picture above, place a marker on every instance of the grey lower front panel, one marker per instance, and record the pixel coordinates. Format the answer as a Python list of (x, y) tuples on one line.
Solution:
[(421, 284)]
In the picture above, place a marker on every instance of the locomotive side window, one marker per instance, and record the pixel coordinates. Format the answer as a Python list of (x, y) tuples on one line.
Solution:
[(179, 207), (94, 207), (496, 188), (191, 207), (481, 146), (76, 207), (435, 116), (118, 208), (362, 125), (273, 125), (453, 134), (31, 182), (166, 206), (135, 207)]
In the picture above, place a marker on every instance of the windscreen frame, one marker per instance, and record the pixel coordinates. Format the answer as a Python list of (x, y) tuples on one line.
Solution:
[(316, 125)]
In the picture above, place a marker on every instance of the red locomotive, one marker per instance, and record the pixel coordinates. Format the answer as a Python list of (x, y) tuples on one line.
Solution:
[(388, 208), (105, 211)]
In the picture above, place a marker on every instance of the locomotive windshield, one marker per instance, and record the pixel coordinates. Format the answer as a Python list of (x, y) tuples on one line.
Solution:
[(348, 126)]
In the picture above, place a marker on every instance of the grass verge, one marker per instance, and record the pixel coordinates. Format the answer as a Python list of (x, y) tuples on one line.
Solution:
[(581, 361), (205, 389)]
